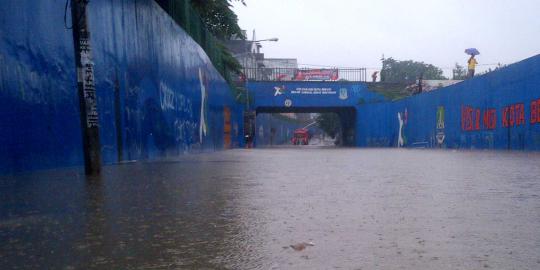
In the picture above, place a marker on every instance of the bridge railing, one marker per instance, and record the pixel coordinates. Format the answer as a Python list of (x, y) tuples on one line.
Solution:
[(305, 74)]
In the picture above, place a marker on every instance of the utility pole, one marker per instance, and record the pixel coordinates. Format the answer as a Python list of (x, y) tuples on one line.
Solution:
[(86, 87)]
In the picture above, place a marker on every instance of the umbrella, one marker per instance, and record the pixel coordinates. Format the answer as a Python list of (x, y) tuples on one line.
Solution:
[(472, 51)]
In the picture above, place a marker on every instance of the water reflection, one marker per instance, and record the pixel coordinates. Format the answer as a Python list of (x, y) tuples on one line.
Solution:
[(367, 209)]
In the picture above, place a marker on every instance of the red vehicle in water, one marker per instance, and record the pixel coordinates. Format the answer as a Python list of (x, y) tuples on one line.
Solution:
[(300, 137)]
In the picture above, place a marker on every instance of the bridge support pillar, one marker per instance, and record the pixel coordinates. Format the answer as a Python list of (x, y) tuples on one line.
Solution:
[(348, 126)]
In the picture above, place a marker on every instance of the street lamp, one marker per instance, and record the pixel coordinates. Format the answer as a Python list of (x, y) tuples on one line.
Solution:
[(244, 60), (268, 39), (257, 42)]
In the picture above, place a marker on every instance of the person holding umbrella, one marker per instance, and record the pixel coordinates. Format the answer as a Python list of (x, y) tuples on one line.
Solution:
[(472, 61)]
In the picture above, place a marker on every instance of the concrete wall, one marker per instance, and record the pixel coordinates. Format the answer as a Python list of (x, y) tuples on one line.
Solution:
[(499, 110), (149, 77)]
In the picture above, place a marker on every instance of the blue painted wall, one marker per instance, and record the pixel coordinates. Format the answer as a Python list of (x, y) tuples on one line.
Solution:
[(499, 110), (155, 67), (474, 111)]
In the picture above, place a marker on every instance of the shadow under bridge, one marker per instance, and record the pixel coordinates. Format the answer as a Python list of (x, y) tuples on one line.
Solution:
[(346, 134)]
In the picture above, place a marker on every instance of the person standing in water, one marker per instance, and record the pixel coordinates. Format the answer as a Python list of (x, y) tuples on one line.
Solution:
[(472, 65)]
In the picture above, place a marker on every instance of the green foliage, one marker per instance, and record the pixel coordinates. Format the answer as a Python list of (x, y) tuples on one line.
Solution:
[(391, 91), (408, 71), (228, 59), (329, 123), (209, 23), (218, 17), (221, 21), (459, 72)]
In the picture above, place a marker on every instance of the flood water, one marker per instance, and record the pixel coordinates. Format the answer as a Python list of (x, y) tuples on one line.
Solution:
[(242, 209)]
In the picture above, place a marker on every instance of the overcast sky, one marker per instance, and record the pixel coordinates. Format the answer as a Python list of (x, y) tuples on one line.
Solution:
[(355, 33)]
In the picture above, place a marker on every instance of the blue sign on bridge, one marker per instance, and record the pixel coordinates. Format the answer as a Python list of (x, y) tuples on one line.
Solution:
[(289, 96)]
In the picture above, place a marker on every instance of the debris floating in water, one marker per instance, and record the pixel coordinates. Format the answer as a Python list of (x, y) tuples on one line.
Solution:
[(302, 246)]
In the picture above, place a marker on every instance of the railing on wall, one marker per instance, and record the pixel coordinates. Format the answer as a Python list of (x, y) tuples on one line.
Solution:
[(305, 74)]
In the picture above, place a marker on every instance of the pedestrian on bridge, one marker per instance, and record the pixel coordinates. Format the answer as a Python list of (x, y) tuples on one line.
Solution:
[(472, 66), (472, 61), (374, 76)]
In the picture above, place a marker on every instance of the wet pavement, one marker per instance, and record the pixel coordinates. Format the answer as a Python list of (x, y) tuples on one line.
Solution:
[(243, 209)]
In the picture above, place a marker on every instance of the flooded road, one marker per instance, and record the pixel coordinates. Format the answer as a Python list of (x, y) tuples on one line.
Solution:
[(242, 209)]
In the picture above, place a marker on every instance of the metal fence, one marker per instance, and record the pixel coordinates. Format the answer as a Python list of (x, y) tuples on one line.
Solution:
[(305, 74), (189, 19)]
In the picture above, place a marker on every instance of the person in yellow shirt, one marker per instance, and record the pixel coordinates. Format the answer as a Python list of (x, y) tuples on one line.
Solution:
[(472, 65)]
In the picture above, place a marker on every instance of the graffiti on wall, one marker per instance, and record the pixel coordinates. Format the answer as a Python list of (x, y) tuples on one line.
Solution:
[(171, 100), (184, 124), (402, 118), (535, 112), (513, 115), (474, 119), (184, 130), (440, 125), (203, 127)]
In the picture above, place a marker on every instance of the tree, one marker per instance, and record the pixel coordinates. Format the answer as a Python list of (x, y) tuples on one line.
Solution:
[(222, 23), (329, 123), (218, 17), (459, 72), (408, 71)]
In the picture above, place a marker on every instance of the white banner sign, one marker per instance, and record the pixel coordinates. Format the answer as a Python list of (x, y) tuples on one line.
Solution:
[(313, 91)]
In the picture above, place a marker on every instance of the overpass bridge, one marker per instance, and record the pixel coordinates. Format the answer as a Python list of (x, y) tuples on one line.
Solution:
[(340, 97)]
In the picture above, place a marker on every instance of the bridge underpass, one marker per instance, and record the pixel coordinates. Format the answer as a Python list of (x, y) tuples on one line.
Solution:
[(346, 133), (339, 97)]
